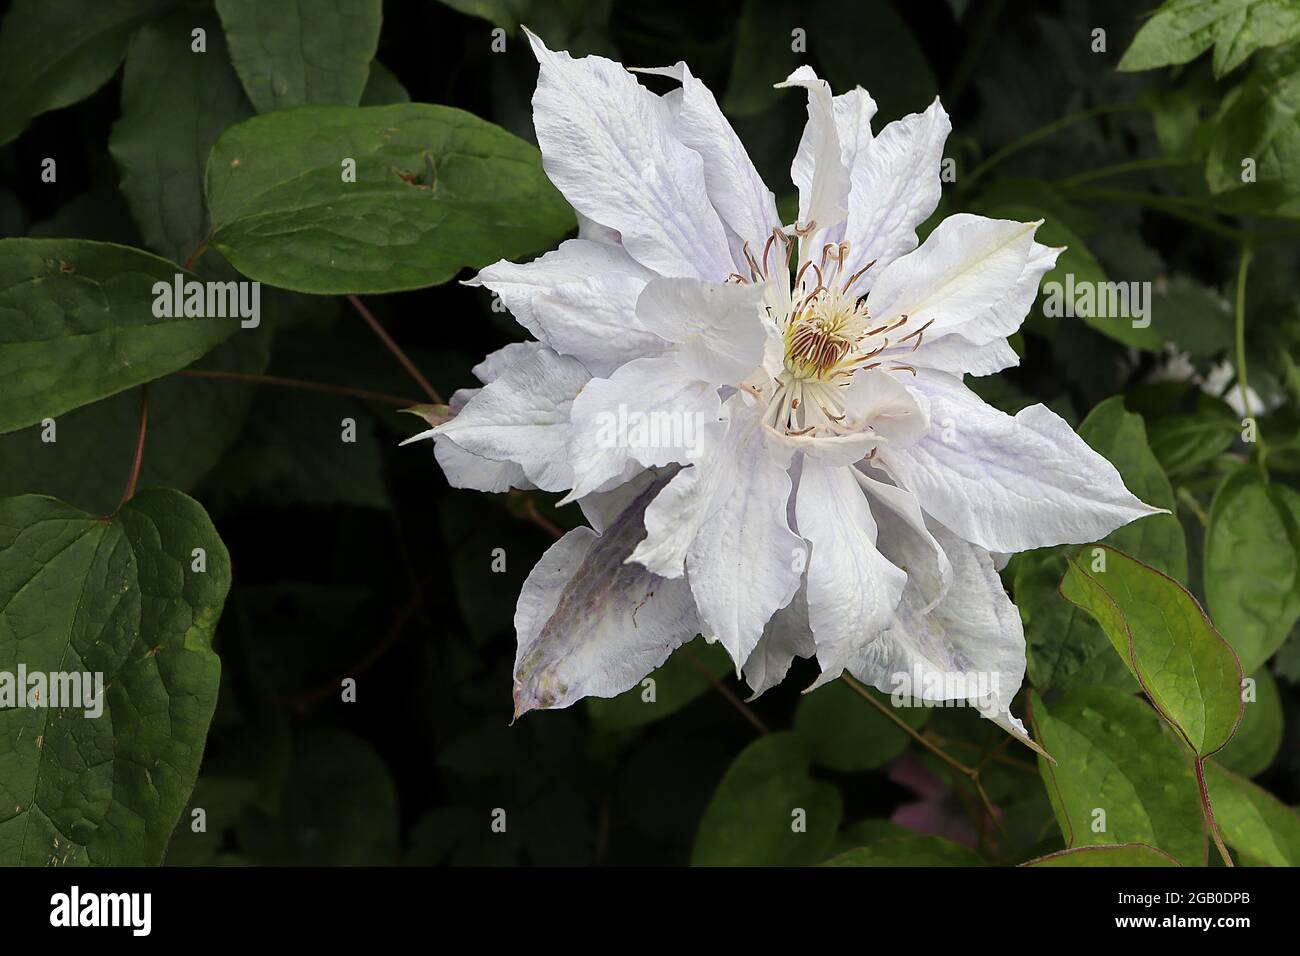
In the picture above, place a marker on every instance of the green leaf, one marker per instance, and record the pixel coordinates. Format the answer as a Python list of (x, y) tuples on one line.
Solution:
[(122, 598), (339, 808), (504, 13), (72, 304), (192, 421), (1258, 121), (53, 55), (911, 850), (301, 53), (873, 47), (175, 103), (1118, 854), (755, 816), (1183, 664), (293, 452), (763, 56), (1113, 756), (1183, 443), (1120, 437), (436, 189), (1252, 564), (1253, 821), (383, 88), (1196, 318), (1259, 736), (1182, 30), (677, 683), (845, 733), (1065, 647)]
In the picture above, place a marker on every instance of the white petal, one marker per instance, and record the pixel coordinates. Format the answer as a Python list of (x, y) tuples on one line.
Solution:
[(746, 205), (786, 637), (608, 145), (854, 111), (882, 407), (956, 354), (464, 470), (595, 321), (971, 645), (717, 327), (903, 538), (602, 508), (519, 284), (648, 411), (964, 277), (523, 416), (743, 561), (590, 624), (1009, 484), (895, 186), (852, 588), (818, 169)]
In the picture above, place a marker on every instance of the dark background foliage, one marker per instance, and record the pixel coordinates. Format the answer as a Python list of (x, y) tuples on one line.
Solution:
[(358, 560)]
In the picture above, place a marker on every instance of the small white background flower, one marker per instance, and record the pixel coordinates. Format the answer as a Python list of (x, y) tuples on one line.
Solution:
[(849, 497)]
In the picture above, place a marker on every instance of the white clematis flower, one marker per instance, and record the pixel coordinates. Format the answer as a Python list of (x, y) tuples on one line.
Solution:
[(845, 495)]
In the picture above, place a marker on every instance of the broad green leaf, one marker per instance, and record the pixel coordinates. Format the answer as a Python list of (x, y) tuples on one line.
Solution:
[(1119, 777), (1259, 736), (1120, 854), (1065, 647), (762, 56), (677, 683), (1183, 29), (175, 103), (1183, 664), (507, 14), (873, 47), (1193, 316), (383, 88), (1183, 443), (126, 598), (192, 421), (911, 850), (1257, 130), (302, 53), (77, 325), (305, 450), (846, 733), (436, 189), (1252, 564), (767, 810), (1120, 437), (339, 808), (1253, 821), (55, 54)]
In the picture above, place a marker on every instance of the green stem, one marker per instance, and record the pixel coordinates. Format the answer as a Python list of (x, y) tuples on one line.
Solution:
[(1242, 269), (1043, 132), (1119, 169), (1169, 205)]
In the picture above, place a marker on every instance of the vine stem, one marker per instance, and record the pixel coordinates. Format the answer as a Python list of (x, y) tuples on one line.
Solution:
[(136, 464), (1043, 132), (1242, 269), (741, 707), (1119, 169), (971, 773), (1210, 823), (396, 349), (396, 400)]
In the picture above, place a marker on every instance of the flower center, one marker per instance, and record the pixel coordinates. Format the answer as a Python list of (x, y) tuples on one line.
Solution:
[(822, 338), (827, 334)]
